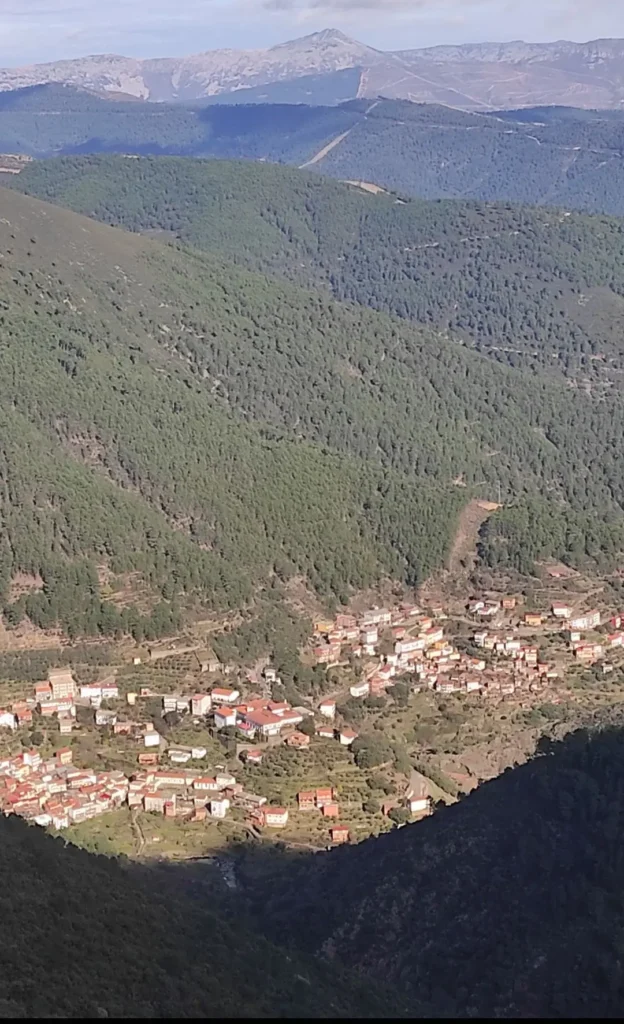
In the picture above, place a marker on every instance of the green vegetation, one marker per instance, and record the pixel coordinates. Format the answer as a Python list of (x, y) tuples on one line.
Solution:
[(550, 156), (527, 287), (536, 290), (487, 908), (87, 937), (522, 535), (118, 448), (133, 374)]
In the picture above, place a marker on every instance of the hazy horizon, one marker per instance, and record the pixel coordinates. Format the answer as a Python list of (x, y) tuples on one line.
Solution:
[(39, 31)]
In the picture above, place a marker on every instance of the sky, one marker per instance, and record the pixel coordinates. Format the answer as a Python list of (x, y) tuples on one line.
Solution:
[(42, 30)]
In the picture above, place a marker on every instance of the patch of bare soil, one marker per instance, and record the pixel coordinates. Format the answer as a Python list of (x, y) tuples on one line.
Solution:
[(450, 585), (24, 583), (558, 571), (125, 590), (367, 186), (28, 637), (387, 592), (302, 599), (464, 550)]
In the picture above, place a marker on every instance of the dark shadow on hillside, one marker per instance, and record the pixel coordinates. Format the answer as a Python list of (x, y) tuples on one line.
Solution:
[(510, 903), (89, 936)]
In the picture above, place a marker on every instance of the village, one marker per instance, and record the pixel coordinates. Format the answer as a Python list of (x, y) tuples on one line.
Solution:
[(495, 651)]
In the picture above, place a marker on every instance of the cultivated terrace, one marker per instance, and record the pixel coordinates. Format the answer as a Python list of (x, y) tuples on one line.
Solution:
[(388, 711)]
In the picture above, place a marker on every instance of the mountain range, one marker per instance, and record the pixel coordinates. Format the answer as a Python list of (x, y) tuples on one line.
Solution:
[(552, 156), (327, 66)]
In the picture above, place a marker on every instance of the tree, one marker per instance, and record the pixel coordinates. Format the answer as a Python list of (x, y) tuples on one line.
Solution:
[(400, 693), (370, 751), (307, 727), (399, 815)]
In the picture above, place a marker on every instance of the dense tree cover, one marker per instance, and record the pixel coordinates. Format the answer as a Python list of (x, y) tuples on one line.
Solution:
[(524, 534), (85, 936), (437, 153), (117, 445), (527, 287), (559, 158), (132, 372), (508, 904), (50, 119)]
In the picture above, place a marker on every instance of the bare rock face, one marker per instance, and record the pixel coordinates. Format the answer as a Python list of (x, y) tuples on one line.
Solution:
[(482, 76)]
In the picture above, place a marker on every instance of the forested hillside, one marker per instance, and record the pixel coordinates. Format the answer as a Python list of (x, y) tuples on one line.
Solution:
[(507, 905), (162, 413), (121, 443), (530, 288), (549, 156), (88, 937)]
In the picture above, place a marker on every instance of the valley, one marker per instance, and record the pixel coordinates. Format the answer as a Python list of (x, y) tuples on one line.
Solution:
[(166, 750), (311, 541)]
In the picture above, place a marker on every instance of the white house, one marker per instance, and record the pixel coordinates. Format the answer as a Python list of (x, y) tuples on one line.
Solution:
[(179, 756), (328, 708), (224, 695), (360, 689), (201, 703), (347, 736), (587, 621), (224, 717), (205, 784), (7, 720), (151, 738), (561, 611), (219, 806), (275, 817), (91, 691)]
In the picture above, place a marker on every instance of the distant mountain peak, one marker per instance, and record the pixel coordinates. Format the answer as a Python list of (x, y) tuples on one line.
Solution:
[(471, 77), (326, 37)]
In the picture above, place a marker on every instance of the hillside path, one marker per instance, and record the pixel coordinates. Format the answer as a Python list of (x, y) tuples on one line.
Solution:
[(325, 150)]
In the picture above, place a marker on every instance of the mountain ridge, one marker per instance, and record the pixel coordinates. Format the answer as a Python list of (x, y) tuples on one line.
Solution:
[(554, 156), (469, 76)]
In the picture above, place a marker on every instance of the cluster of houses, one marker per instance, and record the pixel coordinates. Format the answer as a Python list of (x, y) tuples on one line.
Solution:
[(585, 650), (419, 648), (403, 642), (358, 635), (53, 793), (415, 644), (56, 698)]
